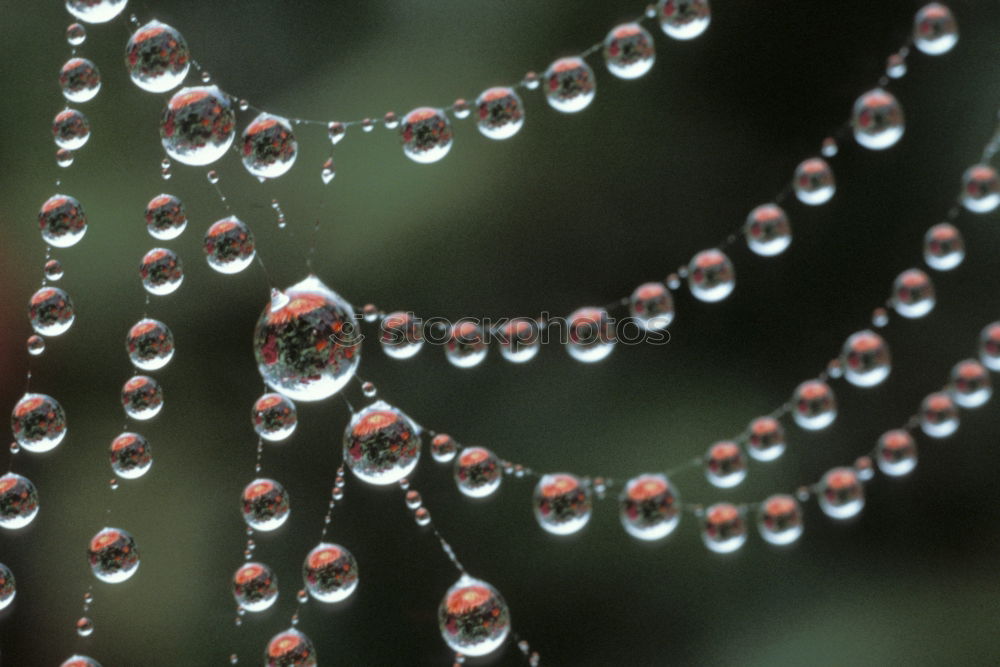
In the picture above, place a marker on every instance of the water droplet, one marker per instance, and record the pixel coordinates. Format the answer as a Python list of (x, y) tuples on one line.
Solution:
[(519, 340), (829, 147), (381, 444), (711, 276), (8, 587), (255, 587), (367, 124), (913, 294), (426, 134), (330, 573), (780, 519), (368, 389), (64, 157), (473, 617), (840, 494), (290, 648), (813, 182), (934, 29), (944, 248), (877, 120), (466, 345), (531, 80), (165, 174), (269, 147), (70, 129), (229, 245), (336, 132), (266, 504), (274, 417), (84, 627), (815, 406), (422, 516), (38, 422), (443, 448), (113, 483), (198, 125), (980, 188), (76, 34), (989, 346), (938, 415), (131, 455), (652, 306), (562, 504), (723, 529), (461, 109), (673, 281), (569, 85), (390, 120), (766, 439), (590, 334), (337, 494), (234, 659), (880, 317), (500, 113), (649, 507), (95, 11), (865, 359), (150, 344), (970, 385), (895, 66), (629, 51), (51, 311), (142, 397), (329, 171), (413, 499), (161, 271), (896, 453), (370, 312), (725, 465), (865, 468), (80, 80), (88, 598), (477, 472), (157, 57), (113, 555), (206, 76), (53, 269), (309, 349), (18, 501), (684, 19), (36, 345), (401, 335), (767, 230)]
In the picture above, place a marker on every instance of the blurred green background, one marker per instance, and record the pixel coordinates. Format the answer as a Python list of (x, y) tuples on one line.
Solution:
[(575, 210)]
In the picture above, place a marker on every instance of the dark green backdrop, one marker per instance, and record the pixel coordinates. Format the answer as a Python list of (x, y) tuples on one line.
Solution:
[(575, 210)]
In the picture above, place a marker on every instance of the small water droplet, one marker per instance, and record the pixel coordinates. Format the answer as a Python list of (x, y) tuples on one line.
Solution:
[(113, 483), (76, 34), (368, 124), (238, 621), (36, 345), (391, 120), (233, 659), (413, 499), (88, 598), (338, 494), (295, 619), (531, 80), (829, 147), (14, 448), (339, 482), (880, 317), (84, 627), (243, 105), (302, 596), (461, 108), (370, 312), (336, 132), (206, 76), (895, 66), (213, 176), (329, 171), (422, 516), (64, 157)]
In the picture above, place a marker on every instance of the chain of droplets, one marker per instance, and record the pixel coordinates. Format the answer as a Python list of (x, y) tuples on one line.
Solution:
[(562, 502), (877, 123)]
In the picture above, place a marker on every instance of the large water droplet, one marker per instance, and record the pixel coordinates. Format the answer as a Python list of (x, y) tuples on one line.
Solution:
[(466, 345), (381, 444), (725, 465), (938, 415), (131, 455), (877, 120), (629, 51), (590, 334), (198, 125), (780, 519), (95, 11), (70, 129), (840, 494), (944, 248), (8, 586), (330, 573), (142, 397), (18, 501), (274, 417), (865, 359), (813, 182), (765, 439), (473, 617), (150, 344), (815, 406), (562, 503), (684, 19), (970, 384), (309, 348), (38, 422), (157, 57), (652, 306), (767, 230), (51, 311), (266, 505), (427, 135), (934, 29), (723, 529), (913, 294), (290, 648), (269, 146), (896, 453), (711, 276), (113, 555), (569, 85), (165, 217), (649, 507), (255, 587), (500, 113), (161, 271), (477, 472), (80, 80), (229, 245)]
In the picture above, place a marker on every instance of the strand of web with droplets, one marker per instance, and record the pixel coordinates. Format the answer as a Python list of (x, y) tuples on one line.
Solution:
[(563, 502)]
